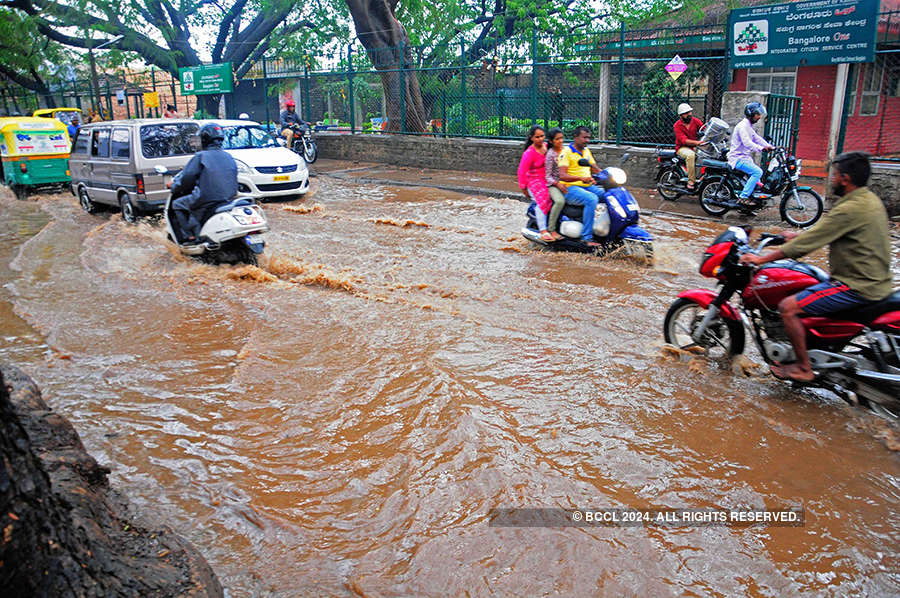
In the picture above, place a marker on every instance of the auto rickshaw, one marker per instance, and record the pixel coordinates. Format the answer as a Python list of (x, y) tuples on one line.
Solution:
[(34, 154), (62, 114)]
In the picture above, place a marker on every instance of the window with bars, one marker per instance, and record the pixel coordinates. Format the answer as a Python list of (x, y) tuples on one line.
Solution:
[(778, 80), (872, 78)]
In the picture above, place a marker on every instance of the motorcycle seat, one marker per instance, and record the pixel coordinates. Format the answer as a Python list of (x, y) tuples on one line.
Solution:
[(715, 164), (666, 154), (867, 314), (235, 203)]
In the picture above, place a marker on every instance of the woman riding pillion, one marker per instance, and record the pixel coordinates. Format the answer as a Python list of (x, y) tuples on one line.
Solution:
[(744, 141), (532, 182)]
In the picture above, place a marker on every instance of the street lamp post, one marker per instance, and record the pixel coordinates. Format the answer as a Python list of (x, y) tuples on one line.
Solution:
[(94, 81)]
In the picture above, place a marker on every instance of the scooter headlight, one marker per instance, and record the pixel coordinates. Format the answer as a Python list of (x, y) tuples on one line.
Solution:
[(243, 168), (617, 175)]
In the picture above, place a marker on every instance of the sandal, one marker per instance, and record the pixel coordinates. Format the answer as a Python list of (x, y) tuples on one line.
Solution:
[(556, 236), (546, 236)]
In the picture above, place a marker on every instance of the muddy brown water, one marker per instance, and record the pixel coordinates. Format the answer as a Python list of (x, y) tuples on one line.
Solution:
[(342, 420)]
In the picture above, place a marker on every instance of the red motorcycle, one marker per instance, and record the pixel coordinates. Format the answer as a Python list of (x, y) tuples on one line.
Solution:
[(856, 355)]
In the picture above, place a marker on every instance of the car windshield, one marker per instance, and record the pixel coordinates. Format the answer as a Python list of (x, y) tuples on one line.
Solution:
[(163, 140), (247, 137), (66, 116)]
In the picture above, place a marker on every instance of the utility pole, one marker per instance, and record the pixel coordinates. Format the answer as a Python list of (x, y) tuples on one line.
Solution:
[(94, 82)]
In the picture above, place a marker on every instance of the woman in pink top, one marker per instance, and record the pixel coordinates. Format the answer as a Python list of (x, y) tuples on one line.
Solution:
[(532, 178)]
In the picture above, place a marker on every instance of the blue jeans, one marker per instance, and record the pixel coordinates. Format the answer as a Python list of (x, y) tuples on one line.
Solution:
[(588, 197), (755, 172)]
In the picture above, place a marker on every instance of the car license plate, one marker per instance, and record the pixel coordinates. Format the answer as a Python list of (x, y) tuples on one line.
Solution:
[(282, 177), (255, 239)]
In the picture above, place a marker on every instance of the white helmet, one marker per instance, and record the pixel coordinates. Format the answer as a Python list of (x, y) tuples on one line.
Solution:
[(244, 116), (684, 107)]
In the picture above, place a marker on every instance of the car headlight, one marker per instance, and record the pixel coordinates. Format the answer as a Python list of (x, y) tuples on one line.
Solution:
[(243, 168)]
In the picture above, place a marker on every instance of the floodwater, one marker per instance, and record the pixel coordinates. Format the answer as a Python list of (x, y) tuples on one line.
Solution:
[(342, 420)]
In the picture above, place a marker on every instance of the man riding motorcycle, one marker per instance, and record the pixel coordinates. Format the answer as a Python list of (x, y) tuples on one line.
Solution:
[(859, 255), (289, 118), (208, 181), (744, 141), (687, 137)]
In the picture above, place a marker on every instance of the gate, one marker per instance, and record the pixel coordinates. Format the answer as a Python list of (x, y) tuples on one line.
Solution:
[(783, 121)]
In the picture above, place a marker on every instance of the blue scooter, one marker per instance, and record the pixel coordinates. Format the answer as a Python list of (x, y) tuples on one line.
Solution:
[(615, 223)]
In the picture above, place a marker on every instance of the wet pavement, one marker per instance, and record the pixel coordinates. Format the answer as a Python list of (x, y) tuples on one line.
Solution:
[(343, 419)]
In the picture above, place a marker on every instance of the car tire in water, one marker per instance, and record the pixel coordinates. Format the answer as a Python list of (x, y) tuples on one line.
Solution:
[(804, 210), (667, 181), (85, 201), (130, 213), (716, 190), (685, 315)]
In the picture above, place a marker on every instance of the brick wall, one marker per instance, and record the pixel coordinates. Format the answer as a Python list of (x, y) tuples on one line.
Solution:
[(472, 155)]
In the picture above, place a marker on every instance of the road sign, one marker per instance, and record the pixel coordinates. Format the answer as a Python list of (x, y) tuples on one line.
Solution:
[(207, 79), (803, 33), (675, 67)]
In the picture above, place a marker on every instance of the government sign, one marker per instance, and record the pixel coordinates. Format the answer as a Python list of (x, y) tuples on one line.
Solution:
[(205, 80), (803, 33)]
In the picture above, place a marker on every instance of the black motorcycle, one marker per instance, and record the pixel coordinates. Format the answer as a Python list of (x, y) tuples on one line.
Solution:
[(672, 176), (303, 143), (800, 206), (671, 172)]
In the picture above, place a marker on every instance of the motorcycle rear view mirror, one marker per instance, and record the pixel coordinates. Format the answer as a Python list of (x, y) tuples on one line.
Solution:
[(625, 156), (161, 169)]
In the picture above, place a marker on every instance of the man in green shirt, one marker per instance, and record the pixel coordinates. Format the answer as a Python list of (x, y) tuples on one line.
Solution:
[(859, 255)]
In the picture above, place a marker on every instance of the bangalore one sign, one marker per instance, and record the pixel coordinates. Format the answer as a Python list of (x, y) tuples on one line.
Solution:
[(803, 33), (208, 79)]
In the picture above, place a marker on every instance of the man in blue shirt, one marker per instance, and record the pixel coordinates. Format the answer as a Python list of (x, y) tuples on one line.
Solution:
[(73, 128)]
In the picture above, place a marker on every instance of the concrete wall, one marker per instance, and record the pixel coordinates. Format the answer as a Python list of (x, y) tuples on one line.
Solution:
[(885, 183), (471, 155)]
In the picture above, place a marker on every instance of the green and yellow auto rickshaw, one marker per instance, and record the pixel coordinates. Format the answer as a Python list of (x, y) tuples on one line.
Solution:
[(62, 114), (34, 154)]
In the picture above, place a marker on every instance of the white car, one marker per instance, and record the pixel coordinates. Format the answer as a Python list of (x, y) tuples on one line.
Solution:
[(266, 170)]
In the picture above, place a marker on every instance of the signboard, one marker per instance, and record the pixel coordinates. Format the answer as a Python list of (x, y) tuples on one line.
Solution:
[(680, 41), (675, 67), (207, 79), (53, 142), (803, 33), (151, 99)]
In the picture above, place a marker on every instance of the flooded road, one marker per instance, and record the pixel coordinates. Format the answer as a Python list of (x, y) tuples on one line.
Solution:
[(342, 420)]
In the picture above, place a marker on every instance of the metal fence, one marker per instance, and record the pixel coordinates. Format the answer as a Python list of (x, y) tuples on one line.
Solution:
[(615, 83)]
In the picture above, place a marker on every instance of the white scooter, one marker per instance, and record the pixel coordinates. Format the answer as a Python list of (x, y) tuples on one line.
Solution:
[(233, 234)]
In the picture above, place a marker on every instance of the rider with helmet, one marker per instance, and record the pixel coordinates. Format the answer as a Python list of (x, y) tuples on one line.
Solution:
[(744, 141), (208, 181), (687, 137), (289, 118)]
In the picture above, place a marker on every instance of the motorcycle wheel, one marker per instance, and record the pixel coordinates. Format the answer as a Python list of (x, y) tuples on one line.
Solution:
[(724, 338), (310, 152), (804, 210), (668, 181), (715, 191)]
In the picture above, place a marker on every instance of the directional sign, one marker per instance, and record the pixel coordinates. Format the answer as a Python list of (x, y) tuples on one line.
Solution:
[(802, 33), (208, 79), (675, 67)]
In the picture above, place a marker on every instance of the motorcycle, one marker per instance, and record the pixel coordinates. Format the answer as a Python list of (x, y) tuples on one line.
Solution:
[(615, 223), (304, 144), (232, 234), (800, 206), (671, 172), (856, 355)]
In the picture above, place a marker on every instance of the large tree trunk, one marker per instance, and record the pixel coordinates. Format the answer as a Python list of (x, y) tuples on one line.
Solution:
[(387, 44)]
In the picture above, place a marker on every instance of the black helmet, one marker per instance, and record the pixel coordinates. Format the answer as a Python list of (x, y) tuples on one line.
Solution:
[(210, 134), (754, 108)]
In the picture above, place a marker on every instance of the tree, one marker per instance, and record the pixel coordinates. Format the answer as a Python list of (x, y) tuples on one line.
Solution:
[(163, 34), (26, 56)]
